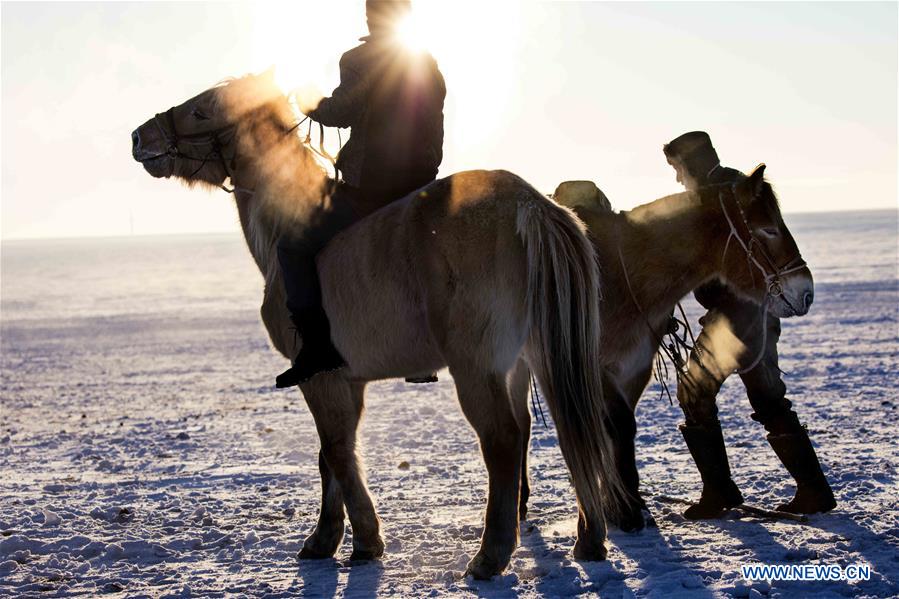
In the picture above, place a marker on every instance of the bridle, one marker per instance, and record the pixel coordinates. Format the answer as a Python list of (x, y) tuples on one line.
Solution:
[(755, 249), (214, 139), (166, 123), (771, 271)]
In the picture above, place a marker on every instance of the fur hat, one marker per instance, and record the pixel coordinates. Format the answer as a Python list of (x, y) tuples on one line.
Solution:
[(383, 14), (694, 147)]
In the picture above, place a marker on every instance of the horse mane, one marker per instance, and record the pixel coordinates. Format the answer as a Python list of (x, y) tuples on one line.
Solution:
[(290, 188), (770, 196)]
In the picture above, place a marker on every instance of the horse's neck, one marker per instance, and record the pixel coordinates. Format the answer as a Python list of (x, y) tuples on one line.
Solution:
[(257, 238), (667, 249), (265, 189)]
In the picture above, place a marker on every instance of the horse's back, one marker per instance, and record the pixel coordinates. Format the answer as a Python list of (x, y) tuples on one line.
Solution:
[(397, 283)]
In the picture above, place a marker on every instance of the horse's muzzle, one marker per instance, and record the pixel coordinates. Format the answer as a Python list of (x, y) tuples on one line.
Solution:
[(807, 298), (138, 150), (144, 149), (798, 293)]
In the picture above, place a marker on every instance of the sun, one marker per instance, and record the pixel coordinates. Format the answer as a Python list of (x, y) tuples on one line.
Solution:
[(412, 32), (458, 32), (477, 46)]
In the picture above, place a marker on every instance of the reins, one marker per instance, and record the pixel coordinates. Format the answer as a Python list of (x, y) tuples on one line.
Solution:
[(677, 350), (321, 151)]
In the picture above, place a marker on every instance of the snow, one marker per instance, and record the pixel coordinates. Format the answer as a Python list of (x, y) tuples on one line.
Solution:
[(145, 452)]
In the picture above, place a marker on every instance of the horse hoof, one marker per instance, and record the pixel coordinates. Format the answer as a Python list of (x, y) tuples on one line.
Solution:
[(322, 544), (361, 556), (809, 503), (482, 567), (368, 554), (632, 522), (588, 551), (309, 553)]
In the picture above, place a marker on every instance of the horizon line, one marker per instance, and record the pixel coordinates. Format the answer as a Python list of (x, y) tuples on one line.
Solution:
[(237, 230)]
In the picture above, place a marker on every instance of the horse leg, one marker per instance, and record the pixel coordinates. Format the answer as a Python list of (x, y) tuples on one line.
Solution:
[(519, 386), (328, 533), (336, 406), (486, 403), (624, 429), (625, 394)]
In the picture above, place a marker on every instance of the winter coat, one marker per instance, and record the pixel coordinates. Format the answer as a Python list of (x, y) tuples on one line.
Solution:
[(392, 98)]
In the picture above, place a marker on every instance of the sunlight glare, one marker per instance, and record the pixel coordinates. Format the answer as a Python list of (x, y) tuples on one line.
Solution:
[(411, 33), (477, 45), (291, 36)]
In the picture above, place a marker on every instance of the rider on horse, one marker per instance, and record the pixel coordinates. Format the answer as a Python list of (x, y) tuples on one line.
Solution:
[(392, 98), (694, 159)]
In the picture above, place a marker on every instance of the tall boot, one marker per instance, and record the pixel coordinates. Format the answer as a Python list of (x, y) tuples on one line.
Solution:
[(317, 354), (719, 492), (813, 492)]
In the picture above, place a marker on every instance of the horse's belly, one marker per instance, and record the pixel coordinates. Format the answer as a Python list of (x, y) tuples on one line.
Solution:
[(632, 369), (377, 313)]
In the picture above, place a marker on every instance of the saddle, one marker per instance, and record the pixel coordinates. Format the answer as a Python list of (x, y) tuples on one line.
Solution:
[(584, 195)]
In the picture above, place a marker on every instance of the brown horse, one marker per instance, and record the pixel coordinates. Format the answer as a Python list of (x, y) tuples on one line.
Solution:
[(654, 255), (477, 271)]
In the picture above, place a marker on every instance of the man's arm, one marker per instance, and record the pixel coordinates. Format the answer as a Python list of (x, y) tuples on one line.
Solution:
[(346, 102)]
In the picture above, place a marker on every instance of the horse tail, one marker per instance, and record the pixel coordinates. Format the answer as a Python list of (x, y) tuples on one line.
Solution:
[(563, 348)]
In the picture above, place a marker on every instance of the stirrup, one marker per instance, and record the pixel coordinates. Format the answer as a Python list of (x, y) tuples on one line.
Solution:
[(417, 380)]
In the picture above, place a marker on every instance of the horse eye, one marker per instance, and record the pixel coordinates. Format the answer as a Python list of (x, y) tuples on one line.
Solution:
[(197, 114), (771, 231)]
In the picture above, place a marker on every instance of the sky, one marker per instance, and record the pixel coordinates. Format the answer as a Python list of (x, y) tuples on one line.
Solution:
[(549, 90)]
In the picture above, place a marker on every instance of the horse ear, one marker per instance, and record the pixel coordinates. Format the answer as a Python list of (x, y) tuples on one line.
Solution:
[(757, 180)]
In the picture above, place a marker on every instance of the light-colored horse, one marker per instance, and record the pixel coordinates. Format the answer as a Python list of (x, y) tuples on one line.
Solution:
[(477, 271), (654, 255)]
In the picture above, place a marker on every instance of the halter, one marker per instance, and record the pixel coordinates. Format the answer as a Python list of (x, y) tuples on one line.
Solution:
[(166, 124), (751, 245), (771, 272)]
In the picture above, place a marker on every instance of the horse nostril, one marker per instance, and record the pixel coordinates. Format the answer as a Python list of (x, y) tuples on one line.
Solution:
[(135, 139), (807, 299)]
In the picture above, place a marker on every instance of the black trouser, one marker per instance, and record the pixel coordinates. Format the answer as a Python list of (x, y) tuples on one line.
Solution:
[(297, 252), (731, 338)]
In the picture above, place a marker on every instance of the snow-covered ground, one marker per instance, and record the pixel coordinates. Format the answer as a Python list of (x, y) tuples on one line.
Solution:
[(143, 450)]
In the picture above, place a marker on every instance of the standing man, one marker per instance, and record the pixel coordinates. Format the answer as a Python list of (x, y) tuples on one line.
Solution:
[(392, 98), (715, 357)]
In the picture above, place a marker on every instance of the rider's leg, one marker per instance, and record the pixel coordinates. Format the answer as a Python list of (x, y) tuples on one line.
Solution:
[(301, 284), (710, 364), (788, 438), (296, 256)]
